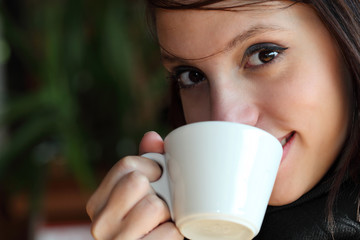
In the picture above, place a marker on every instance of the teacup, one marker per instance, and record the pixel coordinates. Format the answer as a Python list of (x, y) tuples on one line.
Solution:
[(217, 178)]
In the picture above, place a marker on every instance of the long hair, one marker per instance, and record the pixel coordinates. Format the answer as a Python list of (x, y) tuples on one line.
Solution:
[(342, 19)]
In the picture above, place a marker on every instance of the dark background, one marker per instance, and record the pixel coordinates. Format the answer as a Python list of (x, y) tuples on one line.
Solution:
[(80, 83)]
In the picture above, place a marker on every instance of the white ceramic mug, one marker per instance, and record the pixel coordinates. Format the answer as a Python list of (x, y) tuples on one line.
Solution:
[(217, 178)]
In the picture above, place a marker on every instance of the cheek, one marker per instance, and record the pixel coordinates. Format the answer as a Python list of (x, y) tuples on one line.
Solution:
[(315, 105), (309, 89), (325, 97)]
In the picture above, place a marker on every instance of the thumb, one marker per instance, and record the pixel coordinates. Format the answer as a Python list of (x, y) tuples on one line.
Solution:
[(151, 142)]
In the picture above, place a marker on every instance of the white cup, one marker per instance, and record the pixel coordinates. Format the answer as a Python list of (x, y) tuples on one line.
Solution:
[(217, 178)]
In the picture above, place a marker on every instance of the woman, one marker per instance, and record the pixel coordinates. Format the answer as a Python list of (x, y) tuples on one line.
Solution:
[(288, 67)]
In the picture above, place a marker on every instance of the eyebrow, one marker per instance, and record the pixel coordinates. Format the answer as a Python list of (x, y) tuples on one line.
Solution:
[(167, 56)]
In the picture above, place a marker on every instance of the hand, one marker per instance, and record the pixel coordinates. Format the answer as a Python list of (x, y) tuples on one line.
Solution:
[(125, 206)]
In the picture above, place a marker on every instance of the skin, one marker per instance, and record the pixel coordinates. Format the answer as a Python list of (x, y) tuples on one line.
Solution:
[(300, 92), (125, 207)]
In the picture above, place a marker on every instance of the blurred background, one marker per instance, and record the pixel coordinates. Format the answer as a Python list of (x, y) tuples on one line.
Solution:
[(80, 83)]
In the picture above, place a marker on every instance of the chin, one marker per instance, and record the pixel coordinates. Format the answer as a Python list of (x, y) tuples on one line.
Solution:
[(283, 198), (280, 202)]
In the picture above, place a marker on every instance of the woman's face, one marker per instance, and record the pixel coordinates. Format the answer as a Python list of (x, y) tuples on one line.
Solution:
[(274, 68)]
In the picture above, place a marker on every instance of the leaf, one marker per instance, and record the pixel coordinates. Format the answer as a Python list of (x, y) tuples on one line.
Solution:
[(33, 130)]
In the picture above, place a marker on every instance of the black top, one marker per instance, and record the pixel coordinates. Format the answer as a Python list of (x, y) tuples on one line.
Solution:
[(306, 218)]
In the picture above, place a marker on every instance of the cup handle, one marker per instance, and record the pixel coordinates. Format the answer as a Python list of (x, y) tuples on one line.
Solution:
[(161, 186)]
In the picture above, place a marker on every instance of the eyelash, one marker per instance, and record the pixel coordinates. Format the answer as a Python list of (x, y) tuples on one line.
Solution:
[(251, 51), (176, 73), (262, 47)]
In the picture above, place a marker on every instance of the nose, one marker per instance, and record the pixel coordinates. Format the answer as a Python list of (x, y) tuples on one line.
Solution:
[(234, 104)]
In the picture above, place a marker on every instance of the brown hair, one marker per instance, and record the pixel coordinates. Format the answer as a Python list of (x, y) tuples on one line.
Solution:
[(342, 18)]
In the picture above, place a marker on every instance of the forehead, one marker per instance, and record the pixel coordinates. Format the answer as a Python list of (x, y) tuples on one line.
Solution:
[(208, 4), (199, 33)]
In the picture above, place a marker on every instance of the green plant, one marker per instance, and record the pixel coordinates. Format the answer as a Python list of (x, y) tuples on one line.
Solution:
[(84, 84)]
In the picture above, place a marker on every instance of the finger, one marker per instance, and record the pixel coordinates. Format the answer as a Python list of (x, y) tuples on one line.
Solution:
[(126, 165), (149, 213), (126, 194), (151, 142), (166, 231)]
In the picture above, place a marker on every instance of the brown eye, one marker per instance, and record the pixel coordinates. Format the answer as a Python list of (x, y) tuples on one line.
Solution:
[(262, 53), (267, 56), (190, 78), (262, 57)]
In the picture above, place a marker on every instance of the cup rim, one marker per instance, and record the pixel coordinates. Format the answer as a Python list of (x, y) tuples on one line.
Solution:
[(190, 125)]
